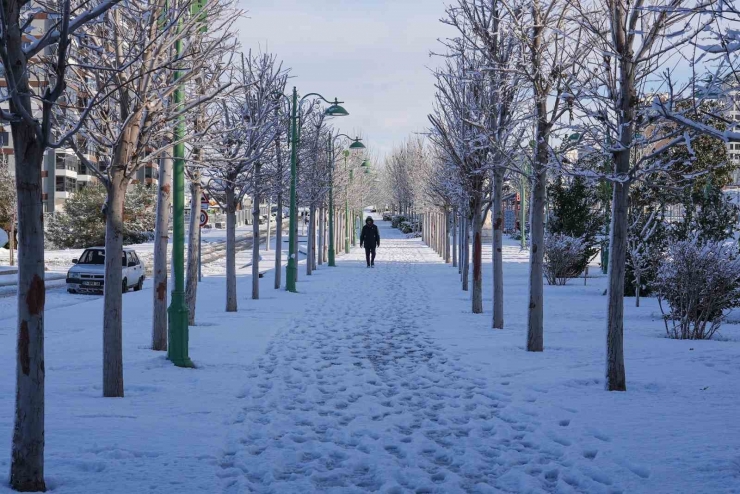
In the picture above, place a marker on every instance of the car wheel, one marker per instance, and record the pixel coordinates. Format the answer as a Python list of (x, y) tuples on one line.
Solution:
[(124, 288), (69, 290), (139, 285)]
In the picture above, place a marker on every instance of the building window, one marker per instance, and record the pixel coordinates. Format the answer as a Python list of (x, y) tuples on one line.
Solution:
[(82, 169), (66, 162), (66, 184), (4, 139)]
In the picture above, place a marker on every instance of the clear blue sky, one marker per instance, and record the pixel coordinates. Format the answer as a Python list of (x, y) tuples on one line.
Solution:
[(372, 54)]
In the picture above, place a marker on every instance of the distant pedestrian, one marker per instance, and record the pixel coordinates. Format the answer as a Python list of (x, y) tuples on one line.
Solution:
[(370, 239)]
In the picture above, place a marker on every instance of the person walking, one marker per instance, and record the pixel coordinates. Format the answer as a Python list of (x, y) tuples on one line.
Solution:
[(370, 239)]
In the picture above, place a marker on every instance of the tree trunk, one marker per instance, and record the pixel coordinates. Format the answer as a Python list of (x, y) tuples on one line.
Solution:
[(477, 260), (269, 221), (27, 455), (498, 244), (314, 236), (191, 280), (325, 220), (637, 288), (113, 286), (161, 240), (230, 250), (535, 323), (615, 374), (279, 241), (466, 250), (448, 227), (454, 244), (322, 232), (340, 233), (296, 247), (11, 240), (310, 240), (256, 237)]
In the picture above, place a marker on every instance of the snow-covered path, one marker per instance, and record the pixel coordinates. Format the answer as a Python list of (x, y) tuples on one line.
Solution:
[(381, 380), (359, 397)]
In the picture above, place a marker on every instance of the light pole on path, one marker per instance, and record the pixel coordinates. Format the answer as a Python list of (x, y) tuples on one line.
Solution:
[(334, 110), (178, 333), (347, 230), (356, 144)]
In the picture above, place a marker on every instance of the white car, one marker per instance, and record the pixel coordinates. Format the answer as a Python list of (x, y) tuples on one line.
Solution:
[(88, 273)]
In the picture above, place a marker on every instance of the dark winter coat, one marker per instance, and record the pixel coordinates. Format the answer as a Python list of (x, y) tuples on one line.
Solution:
[(370, 237)]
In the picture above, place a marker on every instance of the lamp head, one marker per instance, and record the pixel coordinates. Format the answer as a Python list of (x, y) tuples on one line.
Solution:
[(335, 110), (357, 144)]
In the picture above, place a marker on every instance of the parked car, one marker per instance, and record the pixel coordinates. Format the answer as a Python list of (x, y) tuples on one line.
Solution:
[(88, 273)]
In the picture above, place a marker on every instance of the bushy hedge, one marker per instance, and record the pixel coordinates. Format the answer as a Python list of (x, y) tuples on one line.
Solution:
[(699, 283), (409, 226), (563, 257), (397, 219)]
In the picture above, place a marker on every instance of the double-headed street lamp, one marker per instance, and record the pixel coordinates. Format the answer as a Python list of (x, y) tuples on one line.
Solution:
[(356, 144), (334, 110)]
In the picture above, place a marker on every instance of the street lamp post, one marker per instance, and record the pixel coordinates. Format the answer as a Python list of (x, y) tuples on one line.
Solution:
[(332, 255), (178, 330), (334, 110), (356, 144), (347, 231)]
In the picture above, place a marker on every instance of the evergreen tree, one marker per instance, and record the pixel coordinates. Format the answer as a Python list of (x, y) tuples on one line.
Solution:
[(81, 223), (709, 214), (575, 211)]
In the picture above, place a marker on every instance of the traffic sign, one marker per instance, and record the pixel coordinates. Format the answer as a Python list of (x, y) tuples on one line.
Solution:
[(203, 218), (205, 203)]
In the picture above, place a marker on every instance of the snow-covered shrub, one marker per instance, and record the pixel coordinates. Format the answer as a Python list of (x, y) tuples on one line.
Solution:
[(414, 235), (700, 283), (397, 220), (387, 216), (409, 226), (563, 257)]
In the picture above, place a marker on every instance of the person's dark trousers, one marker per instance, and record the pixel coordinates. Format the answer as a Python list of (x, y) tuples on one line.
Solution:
[(370, 256)]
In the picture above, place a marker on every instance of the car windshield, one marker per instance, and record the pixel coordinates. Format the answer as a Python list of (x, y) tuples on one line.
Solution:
[(92, 256)]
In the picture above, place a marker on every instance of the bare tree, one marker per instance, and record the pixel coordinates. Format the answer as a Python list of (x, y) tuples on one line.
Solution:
[(486, 26), (313, 179), (632, 42), (462, 97), (30, 113), (551, 45), (248, 128), (161, 241), (136, 72), (638, 247)]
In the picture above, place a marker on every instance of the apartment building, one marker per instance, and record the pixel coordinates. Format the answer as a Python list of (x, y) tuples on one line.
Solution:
[(63, 173), (732, 100)]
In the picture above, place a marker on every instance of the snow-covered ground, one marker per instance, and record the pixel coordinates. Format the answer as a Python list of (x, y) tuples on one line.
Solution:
[(382, 381), (59, 261)]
